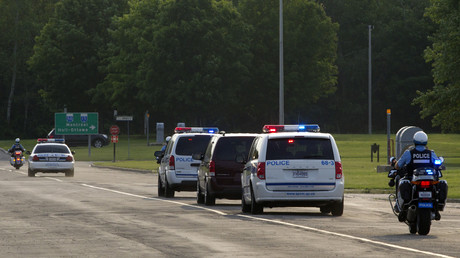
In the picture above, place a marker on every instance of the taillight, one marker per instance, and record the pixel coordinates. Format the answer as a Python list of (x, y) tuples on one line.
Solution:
[(212, 168), (69, 158), (261, 170), (172, 162), (425, 184), (35, 158), (338, 170), (17, 153)]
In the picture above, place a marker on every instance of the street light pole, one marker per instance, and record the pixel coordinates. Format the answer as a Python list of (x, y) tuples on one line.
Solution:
[(281, 75), (370, 27)]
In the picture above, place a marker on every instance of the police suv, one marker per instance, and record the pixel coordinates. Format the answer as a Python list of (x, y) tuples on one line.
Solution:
[(178, 170), (293, 165), (51, 156)]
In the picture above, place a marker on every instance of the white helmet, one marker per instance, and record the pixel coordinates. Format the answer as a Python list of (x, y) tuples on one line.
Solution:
[(17, 140), (420, 138), (168, 138)]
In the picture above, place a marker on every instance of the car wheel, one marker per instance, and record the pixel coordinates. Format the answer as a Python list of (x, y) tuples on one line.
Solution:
[(199, 194), (244, 206), (256, 208), (30, 173), (168, 191), (337, 208), (69, 173), (209, 198), (98, 143), (161, 189)]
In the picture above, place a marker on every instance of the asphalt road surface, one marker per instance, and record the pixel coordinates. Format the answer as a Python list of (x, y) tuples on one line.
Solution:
[(103, 212)]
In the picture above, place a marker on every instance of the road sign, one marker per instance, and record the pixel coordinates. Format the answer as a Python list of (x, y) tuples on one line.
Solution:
[(124, 118), (76, 123), (114, 139), (114, 130)]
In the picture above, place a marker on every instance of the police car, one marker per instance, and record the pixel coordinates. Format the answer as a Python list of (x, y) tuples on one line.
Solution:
[(293, 165), (51, 156), (178, 170)]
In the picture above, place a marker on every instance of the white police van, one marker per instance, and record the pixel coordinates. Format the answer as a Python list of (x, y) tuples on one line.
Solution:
[(293, 165), (178, 170)]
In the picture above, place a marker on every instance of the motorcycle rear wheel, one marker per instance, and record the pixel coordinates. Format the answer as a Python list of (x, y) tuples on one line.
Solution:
[(423, 221)]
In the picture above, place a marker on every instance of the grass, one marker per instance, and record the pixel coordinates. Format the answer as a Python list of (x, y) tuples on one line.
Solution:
[(360, 173)]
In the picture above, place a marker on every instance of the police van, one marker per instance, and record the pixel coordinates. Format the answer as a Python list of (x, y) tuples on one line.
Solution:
[(178, 170), (293, 165)]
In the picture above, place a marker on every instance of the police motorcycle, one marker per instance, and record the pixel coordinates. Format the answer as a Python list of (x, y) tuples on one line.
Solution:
[(424, 196), (17, 159)]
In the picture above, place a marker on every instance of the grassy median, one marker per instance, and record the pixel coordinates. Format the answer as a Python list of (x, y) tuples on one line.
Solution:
[(355, 149)]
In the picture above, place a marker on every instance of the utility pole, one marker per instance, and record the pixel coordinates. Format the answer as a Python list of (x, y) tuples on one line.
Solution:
[(370, 27), (281, 95)]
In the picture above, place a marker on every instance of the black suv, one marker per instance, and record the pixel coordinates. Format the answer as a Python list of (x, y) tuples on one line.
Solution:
[(97, 140), (219, 175)]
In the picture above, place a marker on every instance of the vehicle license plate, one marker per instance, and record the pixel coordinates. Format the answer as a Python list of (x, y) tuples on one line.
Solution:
[(424, 194), (425, 205), (52, 159), (300, 174)]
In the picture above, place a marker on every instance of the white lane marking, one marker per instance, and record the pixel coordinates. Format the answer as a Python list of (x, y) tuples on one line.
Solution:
[(157, 199), (280, 222), (52, 178), (345, 236)]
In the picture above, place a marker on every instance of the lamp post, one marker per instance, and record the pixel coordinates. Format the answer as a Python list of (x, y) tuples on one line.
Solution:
[(281, 75), (370, 27)]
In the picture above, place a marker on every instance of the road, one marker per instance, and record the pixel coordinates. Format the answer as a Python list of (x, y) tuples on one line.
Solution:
[(103, 212)]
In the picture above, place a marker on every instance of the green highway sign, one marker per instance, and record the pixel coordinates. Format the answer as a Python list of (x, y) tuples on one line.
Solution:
[(76, 123)]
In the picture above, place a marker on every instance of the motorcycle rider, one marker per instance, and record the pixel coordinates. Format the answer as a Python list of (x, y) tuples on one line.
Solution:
[(16, 146), (415, 157), (163, 149)]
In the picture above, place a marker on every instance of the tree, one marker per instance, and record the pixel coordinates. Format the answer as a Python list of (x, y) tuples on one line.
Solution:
[(182, 60), (399, 36), (67, 53), (20, 22), (442, 102), (310, 44)]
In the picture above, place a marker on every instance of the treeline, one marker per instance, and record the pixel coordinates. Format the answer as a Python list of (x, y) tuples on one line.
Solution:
[(216, 63)]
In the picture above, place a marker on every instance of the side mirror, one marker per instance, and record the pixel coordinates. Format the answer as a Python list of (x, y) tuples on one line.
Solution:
[(197, 156), (240, 158), (158, 153), (28, 152), (73, 152)]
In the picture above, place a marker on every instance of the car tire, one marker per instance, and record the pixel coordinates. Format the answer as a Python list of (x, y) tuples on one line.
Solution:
[(245, 208), (256, 208), (337, 208), (169, 193), (199, 194), (161, 189), (98, 143), (209, 198), (30, 173), (69, 173)]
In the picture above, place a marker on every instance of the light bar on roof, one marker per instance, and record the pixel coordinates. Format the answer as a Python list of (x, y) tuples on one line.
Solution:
[(196, 130), (55, 140), (291, 128)]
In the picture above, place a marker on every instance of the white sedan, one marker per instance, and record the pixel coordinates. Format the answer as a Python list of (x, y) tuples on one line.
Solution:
[(51, 156)]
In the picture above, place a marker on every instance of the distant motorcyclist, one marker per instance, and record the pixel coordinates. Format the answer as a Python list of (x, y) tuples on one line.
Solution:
[(16, 146), (415, 157), (163, 149)]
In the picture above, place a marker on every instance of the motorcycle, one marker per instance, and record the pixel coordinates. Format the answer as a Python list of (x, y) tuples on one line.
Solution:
[(427, 195), (17, 159)]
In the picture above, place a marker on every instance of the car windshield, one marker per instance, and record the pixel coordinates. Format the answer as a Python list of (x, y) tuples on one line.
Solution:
[(189, 145), (228, 148), (299, 148), (51, 149)]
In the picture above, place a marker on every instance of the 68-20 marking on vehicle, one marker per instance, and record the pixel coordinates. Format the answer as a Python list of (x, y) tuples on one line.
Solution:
[(327, 162)]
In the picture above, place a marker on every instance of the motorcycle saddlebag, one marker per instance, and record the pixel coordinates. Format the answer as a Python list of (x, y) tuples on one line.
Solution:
[(442, 187), (405, 190)]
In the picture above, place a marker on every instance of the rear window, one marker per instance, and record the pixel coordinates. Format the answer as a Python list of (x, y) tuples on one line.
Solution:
[(228, 148), (189, 145), (51, 149), (299, 148)]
